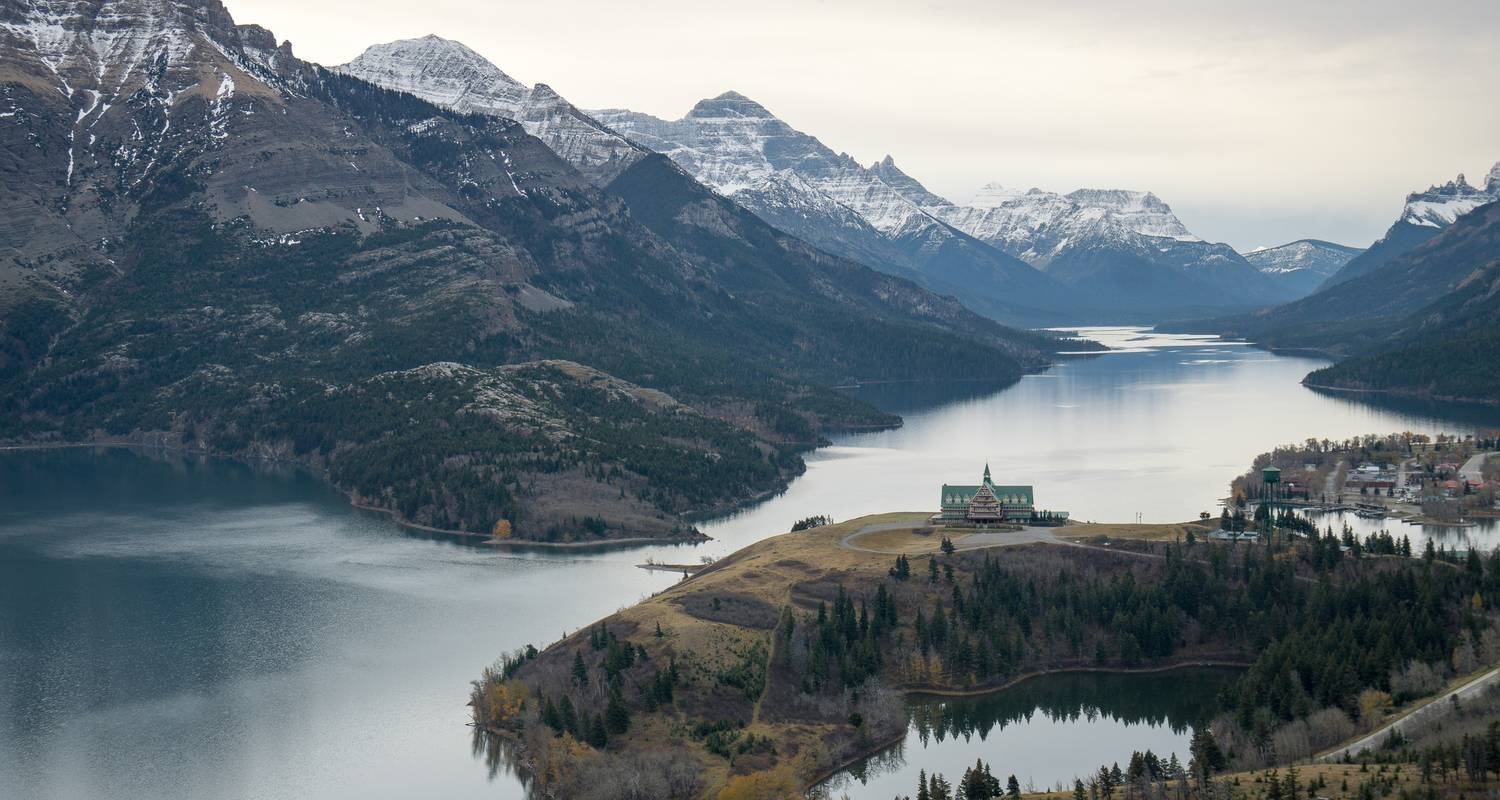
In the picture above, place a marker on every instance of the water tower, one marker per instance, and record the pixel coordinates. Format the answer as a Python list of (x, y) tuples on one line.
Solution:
[(1270, 479)]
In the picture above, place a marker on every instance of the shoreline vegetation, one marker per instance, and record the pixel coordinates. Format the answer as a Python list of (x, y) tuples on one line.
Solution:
[(1396, 391), (476, 537), (791, 659)]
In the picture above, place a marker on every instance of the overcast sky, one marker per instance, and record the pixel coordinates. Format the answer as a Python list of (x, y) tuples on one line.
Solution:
[(1259, 122)]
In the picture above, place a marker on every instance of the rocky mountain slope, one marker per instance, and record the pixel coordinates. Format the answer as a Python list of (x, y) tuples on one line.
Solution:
[(739, 149), (1127, 247), (1302, 265), (209, 243), (1423, 217)]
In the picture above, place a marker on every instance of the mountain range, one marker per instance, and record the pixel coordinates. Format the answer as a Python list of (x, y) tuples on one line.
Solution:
[(211, 244), (1031, 257), (1114, 252)]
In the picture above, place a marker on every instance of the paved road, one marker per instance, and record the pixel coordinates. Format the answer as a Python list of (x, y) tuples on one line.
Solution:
[(1436, 707), (1473, 469), (1334, 485)]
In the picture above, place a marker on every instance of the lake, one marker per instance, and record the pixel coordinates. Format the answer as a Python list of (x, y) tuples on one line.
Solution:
[(1042, 731), (184, 627)]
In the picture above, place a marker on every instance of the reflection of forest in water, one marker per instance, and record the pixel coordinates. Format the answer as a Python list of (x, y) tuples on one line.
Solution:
[(1175, 700), (1179, 700), (905, 397), (501, 758)]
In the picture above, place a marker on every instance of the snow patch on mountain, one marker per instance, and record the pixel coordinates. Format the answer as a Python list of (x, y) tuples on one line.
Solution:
[(1039, 226), (733, 144), (449, 74), (1311, 256)]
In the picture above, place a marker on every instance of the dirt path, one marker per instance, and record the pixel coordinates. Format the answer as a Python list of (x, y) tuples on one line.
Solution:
[(1436, 707)]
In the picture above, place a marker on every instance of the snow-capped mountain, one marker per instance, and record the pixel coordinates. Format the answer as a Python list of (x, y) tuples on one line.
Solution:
[(1440, 205), (1304, 264), (1423, 216), (1128, 241), (449, 74), (738, 148)]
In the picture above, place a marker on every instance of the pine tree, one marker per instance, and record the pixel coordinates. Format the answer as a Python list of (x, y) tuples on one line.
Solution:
[(923, 791), (598, 736), (580, 672), (939, 788), (617, 716), (568, 716), (551, 717)]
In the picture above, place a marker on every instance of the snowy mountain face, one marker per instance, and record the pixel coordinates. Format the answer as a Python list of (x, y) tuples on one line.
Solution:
[(1304, 255), (1127, 239), (449, 74), (1304, 264), (731, 144), (1038, 223), (1424, 216), (1440, 205)]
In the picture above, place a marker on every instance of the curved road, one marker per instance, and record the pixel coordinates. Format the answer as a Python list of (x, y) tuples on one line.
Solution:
[(1435, 707)]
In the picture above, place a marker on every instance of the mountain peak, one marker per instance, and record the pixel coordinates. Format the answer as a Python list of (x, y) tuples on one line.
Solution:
[(729, 104), (1443, 203), (441, 71), (886, 170), (1141, 211)]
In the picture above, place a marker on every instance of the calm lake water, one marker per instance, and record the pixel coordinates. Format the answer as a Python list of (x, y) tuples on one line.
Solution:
[(180, 627), (1041, 730)]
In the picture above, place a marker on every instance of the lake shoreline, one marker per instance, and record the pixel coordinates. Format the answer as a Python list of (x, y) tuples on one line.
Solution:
[(473, 537), (1480, 402)]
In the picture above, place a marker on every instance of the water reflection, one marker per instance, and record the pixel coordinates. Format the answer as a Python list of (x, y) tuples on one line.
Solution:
[(1045, 730), (502, 758)]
